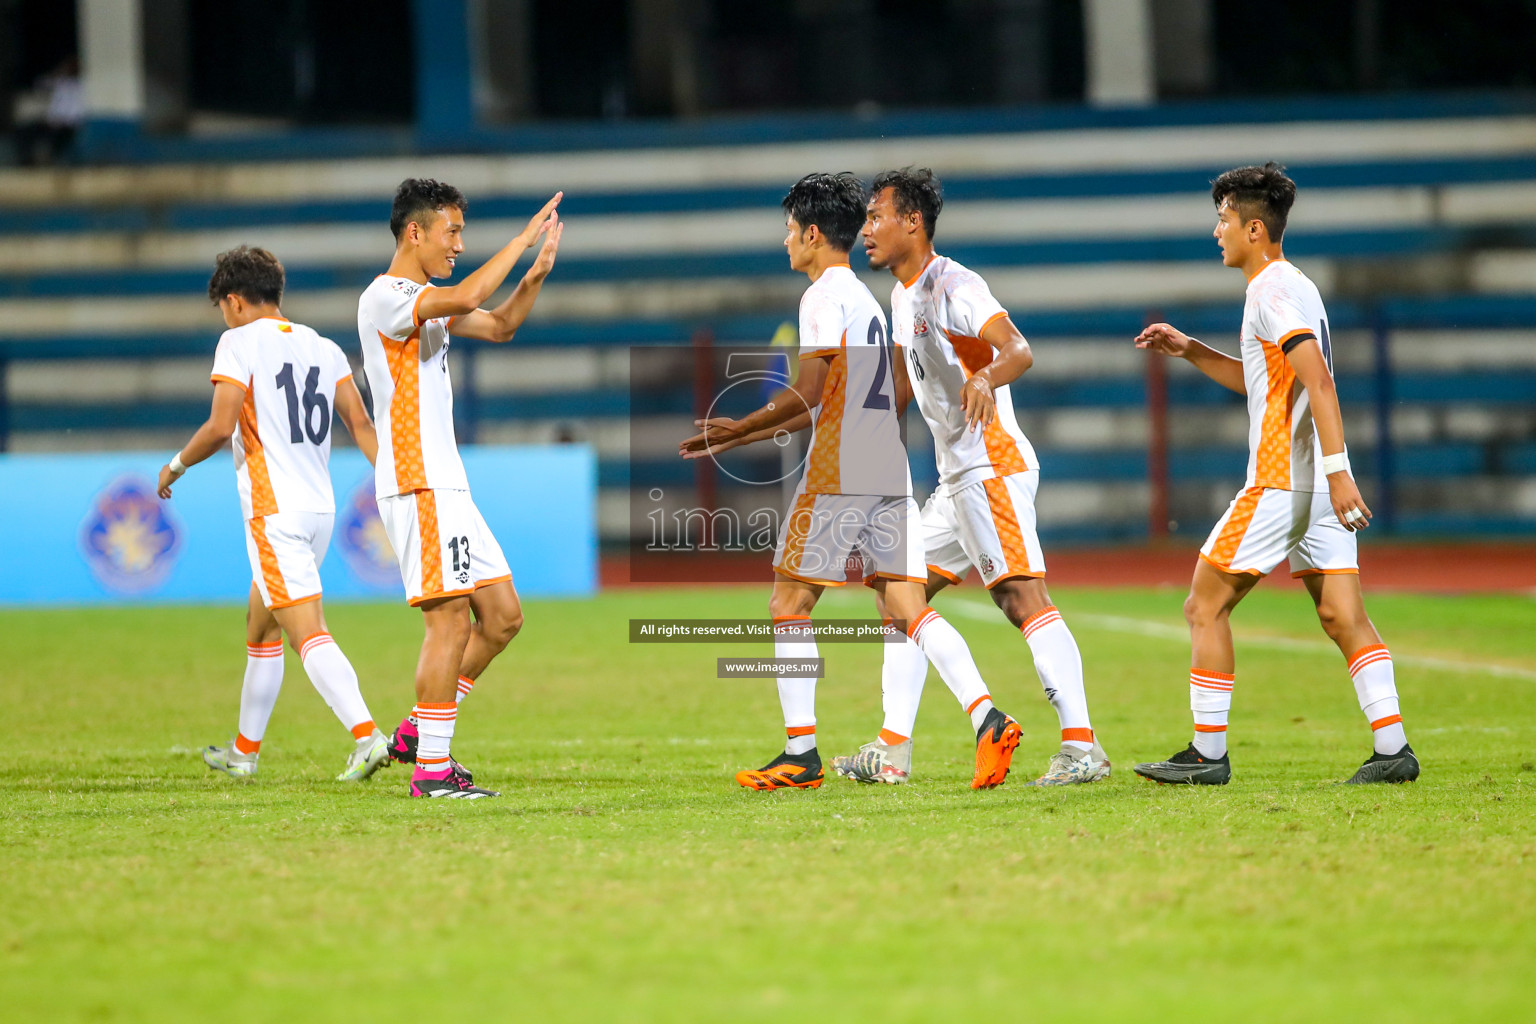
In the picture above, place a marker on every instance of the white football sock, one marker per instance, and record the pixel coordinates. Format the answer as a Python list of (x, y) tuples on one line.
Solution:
[(945, 648), (1210, 699), (1376, 688), (258, 693), (336, 679), (1059, 665), (792, 638), (902, 674), (435, 723)]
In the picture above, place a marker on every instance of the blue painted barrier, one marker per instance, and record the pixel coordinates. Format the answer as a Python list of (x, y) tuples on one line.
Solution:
[(88, 529)]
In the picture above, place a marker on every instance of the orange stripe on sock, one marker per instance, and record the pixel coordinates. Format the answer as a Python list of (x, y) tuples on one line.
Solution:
[(977, 702), (924, 617), (1209, 728), (1382, 723), (362, 729), (1077, 735), (1367, 649), (890, 738), (1368, 656), (309, 643), (246, 746), (1036, 618), (800, 730)]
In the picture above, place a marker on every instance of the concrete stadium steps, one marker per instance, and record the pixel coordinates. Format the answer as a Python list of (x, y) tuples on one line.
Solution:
[(1130, 149), (665, 242), (760, 228), (1500, 173), (1034, 294)]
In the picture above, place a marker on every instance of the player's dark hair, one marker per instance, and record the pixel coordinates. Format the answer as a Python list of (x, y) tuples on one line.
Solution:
[(417, 198), (1259, 193), (914, 190), (833, 202), (249, 272)]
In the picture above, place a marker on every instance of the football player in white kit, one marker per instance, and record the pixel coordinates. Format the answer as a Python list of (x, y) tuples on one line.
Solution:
[(275, 384), (450, 563), (964, 351), (856, 491), (1299, 500)]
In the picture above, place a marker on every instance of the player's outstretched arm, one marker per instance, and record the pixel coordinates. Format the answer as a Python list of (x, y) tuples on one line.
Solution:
[(705, 442), (214, 434), (350, 408), (1323, 398), (469, 294), (1170, 341), (786, 407), (501, 323), (978, 397)]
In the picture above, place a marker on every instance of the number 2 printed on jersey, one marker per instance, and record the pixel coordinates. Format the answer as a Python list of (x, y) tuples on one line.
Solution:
[(877, 398)]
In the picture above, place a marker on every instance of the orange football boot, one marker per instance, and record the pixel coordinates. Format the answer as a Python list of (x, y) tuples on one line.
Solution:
[(787, 771), (996, 741)]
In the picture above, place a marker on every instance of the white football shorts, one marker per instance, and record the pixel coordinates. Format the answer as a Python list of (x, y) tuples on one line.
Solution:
[(989, 524), (1264, 525), (822, 530), (286, 550), (442, 544)]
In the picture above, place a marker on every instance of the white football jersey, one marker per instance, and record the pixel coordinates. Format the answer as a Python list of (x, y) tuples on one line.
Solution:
[(406, 360), (1283, 309), (938, 318), (283, 446), (855, 433)]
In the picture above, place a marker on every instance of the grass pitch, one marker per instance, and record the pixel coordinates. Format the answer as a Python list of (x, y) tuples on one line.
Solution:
[(623, 876)]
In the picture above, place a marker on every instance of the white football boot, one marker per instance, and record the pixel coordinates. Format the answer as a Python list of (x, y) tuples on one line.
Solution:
[(877, 762), (230, 761), (370, 754), (1069, 766)]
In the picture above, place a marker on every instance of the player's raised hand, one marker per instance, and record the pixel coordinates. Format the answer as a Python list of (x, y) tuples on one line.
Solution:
[(717, 435), (545, 262), (1163, 338), (1347, 503), (978, 402), (542, 221), (168, 476)]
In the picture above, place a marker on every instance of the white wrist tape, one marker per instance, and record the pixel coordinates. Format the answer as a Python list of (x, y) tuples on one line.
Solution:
[(1335, 464), (177, 466)]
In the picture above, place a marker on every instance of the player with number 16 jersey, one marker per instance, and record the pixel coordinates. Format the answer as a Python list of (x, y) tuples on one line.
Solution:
[(275, 387)]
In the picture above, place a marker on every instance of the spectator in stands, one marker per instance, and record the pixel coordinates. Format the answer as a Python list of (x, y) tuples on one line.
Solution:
[(49, 114)]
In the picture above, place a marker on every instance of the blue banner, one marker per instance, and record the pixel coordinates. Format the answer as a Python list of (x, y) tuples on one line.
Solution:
[(88, 529)]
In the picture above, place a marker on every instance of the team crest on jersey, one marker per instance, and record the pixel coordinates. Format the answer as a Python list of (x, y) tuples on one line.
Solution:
[(988, 567), (130, 539), (919, 325), (404, 287), (363, 541)]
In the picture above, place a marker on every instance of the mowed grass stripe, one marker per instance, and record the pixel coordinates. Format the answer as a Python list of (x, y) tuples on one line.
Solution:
[(1248, 638)]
